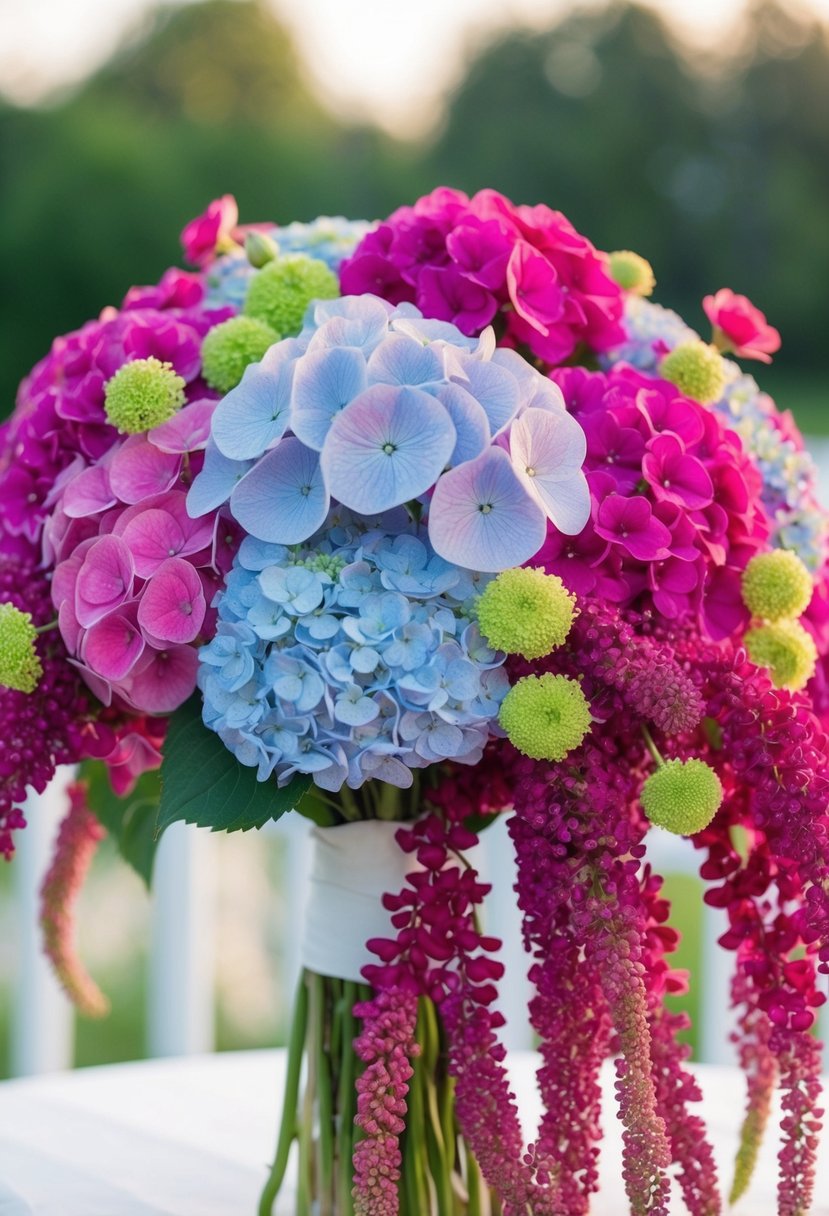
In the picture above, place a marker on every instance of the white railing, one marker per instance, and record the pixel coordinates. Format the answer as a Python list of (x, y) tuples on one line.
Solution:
[(182, 964)]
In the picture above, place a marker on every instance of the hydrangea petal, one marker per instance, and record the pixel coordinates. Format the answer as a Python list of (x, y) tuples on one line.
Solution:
[(104, 580), (255, 414), (548, 449), (325, 382), (162, 680), (468, 419), (387, 447), (88, 493), (403, 360), (283, 499), (113, 645), (138, 469), (496, 389), (186, 431), (215, 483), (172, 605), (481, 516)]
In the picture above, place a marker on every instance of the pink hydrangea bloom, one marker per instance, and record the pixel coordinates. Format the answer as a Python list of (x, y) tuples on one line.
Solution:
[(740, 326), (482, 260)]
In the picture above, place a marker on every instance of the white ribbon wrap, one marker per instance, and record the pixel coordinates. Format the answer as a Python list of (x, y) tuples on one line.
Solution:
[(353, 866)]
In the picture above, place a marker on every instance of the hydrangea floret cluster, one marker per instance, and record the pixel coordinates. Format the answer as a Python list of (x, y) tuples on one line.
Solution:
[(373, 407), (354, 656)]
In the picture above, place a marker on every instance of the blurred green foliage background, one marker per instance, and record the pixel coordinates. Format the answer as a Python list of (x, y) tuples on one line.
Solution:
[(714, 166)]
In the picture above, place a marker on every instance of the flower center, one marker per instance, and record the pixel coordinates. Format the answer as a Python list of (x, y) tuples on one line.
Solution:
[(530, 471), (485, 508), (388, 448)]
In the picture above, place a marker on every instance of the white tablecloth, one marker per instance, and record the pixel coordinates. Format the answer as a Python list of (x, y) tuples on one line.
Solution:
[(191, 1137)]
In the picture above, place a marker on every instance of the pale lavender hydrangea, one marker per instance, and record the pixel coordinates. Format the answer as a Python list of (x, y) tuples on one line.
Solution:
[(374, 407), (354, 656)]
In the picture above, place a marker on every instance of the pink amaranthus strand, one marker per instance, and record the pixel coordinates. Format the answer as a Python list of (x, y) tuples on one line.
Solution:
[(78, 839), (440, 953), (386, 1044), (752, 1038), (798, 1056)]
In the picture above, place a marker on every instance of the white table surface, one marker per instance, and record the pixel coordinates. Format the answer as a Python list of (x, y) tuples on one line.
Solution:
[(191, 1137)]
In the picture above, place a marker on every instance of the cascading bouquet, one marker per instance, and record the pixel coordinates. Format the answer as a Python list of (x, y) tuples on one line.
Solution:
[(406, 525)]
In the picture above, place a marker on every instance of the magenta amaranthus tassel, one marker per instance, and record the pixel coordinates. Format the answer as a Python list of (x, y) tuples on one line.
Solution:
[(78, 839), (386, 1044)]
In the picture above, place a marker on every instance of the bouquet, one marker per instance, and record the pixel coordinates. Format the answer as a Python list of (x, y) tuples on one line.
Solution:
[(404, 526)]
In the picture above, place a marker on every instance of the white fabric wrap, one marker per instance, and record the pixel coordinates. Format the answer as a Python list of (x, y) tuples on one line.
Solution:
[(353, 866)]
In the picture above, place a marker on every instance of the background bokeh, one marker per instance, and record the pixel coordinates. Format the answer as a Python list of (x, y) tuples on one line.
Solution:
[(696, 132)]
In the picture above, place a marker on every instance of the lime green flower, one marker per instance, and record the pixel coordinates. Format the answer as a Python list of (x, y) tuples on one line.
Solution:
[(545, 716), (230, 347), (282, 290), (786, 649), (525, 611), (260, 249), (20, 666), (143, 394), (776, 585), (682, 796), (632, 272), (697, 370)]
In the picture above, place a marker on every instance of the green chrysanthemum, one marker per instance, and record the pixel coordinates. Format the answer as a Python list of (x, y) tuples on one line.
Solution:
[(697, 370), (143, 394), (525, 611), (632, 272), (545, 716), (231, 347), (282, 290), (682, 796), (776, 585), (786, 649), (20, 666)]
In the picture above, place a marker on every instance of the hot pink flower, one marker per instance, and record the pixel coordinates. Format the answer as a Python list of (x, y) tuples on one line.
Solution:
[(202, 236), (741, 327)]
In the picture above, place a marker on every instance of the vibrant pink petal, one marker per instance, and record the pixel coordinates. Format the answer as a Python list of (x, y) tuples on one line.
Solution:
[(104, 580), (139, 469), (152, 537), (172, 605), (187, 431), (88, 493), (162, 680), (113, 645)]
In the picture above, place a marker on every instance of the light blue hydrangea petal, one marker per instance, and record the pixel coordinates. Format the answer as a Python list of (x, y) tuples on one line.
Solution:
[(256, 413), (495, 389), (548, 450), (215, 482), (283, 498), (257, 554), (469, 421), (401, 360), (325, 382), (387, 447), (424, 329), (482, 517), (296, 588), (354, 708)]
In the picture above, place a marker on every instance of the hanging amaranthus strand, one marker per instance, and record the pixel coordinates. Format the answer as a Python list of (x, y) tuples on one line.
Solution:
[(78, 838)]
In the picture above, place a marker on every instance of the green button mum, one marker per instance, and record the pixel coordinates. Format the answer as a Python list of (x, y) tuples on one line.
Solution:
[(20, 666), (776, 585), (697, 370), (143, 394), (682, 796), (786, 649), (282, 290), (525, 611), (231, 347), (545, 717)]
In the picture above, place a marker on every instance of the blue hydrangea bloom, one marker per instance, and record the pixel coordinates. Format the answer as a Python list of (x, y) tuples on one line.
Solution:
[(372, 407), (354, 656), (789, 474), (330, 239)]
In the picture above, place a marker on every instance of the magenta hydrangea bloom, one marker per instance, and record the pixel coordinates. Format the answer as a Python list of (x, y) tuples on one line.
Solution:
[(482, 260)]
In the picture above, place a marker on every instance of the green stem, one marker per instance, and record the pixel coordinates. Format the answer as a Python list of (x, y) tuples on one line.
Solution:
[(288, 1126), (651, 746), (47, 627), (305, 1168), (325, 1103)]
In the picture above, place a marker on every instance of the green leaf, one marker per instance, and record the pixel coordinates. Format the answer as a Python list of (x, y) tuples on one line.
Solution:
[(203, 783), (130, 821)]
